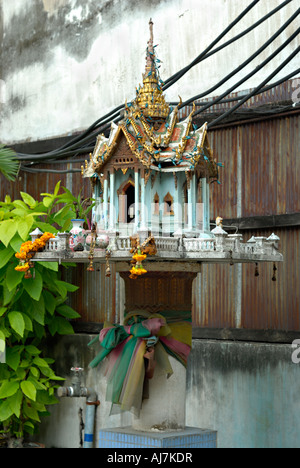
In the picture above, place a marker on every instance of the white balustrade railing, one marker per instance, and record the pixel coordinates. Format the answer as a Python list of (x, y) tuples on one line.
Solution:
[(123, 243), (199, 244), (167, 243)]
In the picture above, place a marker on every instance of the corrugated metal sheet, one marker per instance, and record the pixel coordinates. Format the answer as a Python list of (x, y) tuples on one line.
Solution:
[(274, 305), (261, 170), (97, 299), (260, 177), (233, 297), (271, 167)]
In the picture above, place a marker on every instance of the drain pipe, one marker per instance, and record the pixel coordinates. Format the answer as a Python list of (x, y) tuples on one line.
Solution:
[(76, 390)]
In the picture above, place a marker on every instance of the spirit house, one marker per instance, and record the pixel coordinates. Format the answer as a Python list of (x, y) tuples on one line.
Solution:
[(152, 173)]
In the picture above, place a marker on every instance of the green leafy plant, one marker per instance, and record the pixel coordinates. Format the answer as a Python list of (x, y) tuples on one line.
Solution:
[(79, 208), (9, 165), (30, 310)]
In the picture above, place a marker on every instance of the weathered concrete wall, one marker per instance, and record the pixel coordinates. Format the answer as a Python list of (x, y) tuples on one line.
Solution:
[(65, 63), (248, 392)]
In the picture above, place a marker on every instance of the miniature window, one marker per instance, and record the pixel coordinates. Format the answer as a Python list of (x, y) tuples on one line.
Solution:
[(156, 204), (168, 205)]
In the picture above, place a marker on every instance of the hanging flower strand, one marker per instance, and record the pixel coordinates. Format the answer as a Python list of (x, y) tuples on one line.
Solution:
[(28, 250), (139, 254)]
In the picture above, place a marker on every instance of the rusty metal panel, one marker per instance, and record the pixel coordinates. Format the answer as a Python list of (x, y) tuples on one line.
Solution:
[(261, 168), (274, 305), (214, 297), (233, 297), (97, 296), (271, 167), (223, 196)]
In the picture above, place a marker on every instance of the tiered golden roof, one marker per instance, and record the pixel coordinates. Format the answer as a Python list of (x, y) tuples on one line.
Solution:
[(150, 98)]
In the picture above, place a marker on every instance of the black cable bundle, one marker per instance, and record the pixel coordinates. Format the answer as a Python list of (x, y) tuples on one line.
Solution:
[(85, 142)]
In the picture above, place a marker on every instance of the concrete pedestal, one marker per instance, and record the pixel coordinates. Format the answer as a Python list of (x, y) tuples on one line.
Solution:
[(165, 408), (127, 437)]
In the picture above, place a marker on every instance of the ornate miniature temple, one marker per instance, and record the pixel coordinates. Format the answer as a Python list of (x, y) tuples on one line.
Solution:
[(151, 179), (152, 172)]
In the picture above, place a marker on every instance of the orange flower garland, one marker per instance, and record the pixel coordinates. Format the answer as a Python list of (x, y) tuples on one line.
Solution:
[(138, 269), (28, 250)]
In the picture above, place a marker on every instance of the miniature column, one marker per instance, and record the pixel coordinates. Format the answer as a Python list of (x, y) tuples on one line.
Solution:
[(205, 201), (112, 202), (136, 200), (190, 206), (177, 209), (143, 205), (105, 202)]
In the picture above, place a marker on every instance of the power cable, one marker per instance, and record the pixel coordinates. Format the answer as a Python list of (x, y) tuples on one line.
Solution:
[(207, 53), (75, 145), (260, 86), (252, 57)]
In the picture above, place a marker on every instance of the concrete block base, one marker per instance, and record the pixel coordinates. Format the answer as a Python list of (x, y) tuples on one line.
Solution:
[(127, 437)]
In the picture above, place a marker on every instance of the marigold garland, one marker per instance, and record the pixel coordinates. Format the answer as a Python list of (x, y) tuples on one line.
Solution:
[(28, 250)]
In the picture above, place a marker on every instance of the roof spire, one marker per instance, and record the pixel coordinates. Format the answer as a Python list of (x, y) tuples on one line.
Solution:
[(150, 51), (150, 98)]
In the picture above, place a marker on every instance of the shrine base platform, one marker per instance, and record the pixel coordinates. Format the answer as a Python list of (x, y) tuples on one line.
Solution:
[(126, 437)]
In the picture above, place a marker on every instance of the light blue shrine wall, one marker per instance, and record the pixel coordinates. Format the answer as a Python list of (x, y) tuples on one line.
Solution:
[(190, 210)]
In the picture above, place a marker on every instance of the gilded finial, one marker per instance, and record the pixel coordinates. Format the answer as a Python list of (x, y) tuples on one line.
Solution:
[(149, 97)]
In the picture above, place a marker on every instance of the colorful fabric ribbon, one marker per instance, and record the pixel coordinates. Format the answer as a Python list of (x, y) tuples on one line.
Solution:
[(125, 346)]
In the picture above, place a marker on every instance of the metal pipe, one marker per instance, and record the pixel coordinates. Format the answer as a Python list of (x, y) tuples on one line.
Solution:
[(76, 390)]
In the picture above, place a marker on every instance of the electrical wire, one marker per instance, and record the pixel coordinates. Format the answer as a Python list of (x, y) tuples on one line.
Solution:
[(260, 86), (252, 57), (207, 53), (75, 146)]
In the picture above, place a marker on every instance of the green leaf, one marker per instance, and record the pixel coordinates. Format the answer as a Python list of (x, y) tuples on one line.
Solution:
[(57, 187), (24, 226), (13, 277), (7, 295), (28, 199), (32, 350), (28, 322), (5, 410), (16, 242), (20, 204), (38, 385), (67, 312), (31, 412), (2, 311), (5, 256), (8, 229), (44, 397), (61, 326), (29, 427), (2, 342), (35, 372), (28, 389), (9, 165), (50, 265), (34, 286), (46, 227), (50, 302), (15, 402), (8, 389), (64, 286), (16, 322), (38, 311), (13, 358), (40, 362), (47, 201)]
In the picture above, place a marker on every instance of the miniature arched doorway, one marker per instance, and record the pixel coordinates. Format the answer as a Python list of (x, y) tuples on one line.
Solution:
[(126, 195)]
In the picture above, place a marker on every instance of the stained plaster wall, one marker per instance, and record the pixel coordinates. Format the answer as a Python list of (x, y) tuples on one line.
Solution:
[(248, 392), (65, 63)]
